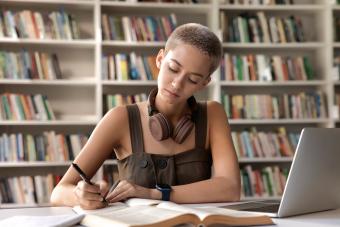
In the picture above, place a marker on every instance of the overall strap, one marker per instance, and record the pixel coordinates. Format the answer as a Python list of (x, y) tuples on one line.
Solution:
[(135, 126), (201, 125)]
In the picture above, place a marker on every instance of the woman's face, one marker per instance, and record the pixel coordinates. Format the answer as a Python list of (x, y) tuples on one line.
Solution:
[(182, 72)]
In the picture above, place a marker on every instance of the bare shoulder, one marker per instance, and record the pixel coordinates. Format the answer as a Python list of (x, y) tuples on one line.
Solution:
[(114, 124), (216, 111), (214, 105), (116, 114), (116, 120)]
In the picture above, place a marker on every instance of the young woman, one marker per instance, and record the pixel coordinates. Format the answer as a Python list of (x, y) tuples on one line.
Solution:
[(169, 147)]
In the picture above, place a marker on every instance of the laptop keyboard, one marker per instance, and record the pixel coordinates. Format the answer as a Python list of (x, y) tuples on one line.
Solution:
[(265, 208), (269, 206)]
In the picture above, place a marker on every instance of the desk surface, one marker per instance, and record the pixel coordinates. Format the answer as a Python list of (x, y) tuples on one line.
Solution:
[(326, 218)]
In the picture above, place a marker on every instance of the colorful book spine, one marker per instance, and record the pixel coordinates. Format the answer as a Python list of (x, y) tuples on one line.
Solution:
[(287, 106), (49, 146), (262, 182), (259, 144)]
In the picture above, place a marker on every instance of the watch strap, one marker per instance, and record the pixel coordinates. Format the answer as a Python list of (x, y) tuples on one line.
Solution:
[(165, 192)]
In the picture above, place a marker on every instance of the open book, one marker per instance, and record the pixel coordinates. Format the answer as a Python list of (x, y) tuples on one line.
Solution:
[(149, 213)]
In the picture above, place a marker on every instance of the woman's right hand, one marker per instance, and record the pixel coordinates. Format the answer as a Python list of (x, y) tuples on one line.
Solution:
[(91, 196)]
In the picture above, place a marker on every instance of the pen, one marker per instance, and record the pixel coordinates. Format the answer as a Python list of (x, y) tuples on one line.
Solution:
[(83, 176), (112, 187)]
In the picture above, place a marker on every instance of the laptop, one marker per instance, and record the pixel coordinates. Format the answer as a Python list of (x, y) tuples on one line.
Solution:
[(313, 183)]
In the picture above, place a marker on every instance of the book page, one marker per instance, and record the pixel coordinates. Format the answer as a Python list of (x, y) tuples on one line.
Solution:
[(140, 215), (228, 212), (203, 212), (233, 217), (111, 207), (144, 202), (173, 206), (118, 205)]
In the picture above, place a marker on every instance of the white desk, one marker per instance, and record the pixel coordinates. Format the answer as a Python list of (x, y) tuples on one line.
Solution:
[(326, 218)]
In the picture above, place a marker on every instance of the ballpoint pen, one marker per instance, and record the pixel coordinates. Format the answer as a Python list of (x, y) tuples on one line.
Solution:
[(112, 188), (83, 176)]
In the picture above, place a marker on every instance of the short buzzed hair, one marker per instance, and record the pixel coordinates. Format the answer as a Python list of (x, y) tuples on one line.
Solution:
[(200, 37)]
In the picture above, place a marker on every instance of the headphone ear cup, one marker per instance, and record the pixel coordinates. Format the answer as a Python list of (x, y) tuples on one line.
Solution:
[(183, 129), (159, 127)]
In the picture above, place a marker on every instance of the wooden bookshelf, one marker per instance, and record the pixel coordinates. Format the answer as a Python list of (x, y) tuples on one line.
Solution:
[(79, 97)]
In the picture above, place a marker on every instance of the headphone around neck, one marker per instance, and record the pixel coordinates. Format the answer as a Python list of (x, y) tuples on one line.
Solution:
[(161, 128)]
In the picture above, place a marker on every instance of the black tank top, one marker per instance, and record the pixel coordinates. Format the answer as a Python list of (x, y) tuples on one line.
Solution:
[(146, 169)]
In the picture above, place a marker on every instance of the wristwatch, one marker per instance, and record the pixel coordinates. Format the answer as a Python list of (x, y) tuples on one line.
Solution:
[(165, 189)]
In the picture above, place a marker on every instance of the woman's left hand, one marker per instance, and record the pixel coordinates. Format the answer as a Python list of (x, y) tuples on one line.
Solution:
[(125, 190)]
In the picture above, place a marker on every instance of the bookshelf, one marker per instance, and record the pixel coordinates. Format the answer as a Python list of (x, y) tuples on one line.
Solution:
[(78, 98), (317, 29)]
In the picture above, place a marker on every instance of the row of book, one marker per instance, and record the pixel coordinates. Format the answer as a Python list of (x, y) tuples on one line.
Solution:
[(25, 107), (120, 99), (129, 67), (258, 2), (27, 189), (265, 182), (252, 143), (265, 68), (248, 28), (148, 28), (48, 146), (29, 65), (38, 25), (286, 106)]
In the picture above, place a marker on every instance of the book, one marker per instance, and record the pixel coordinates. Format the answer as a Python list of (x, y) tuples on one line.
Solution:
[(149, 213)]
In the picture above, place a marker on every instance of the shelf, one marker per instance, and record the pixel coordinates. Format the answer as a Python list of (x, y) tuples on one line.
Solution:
[(132, 44), (277, 121), (81, 82), (79, 43), (265, 160), (160, 7), (284, 8), (336, 83), (273, 83), (129, 83), (336, 44), (302, 45), (49, 123), (336, 7), (69, 4), (44, 164)]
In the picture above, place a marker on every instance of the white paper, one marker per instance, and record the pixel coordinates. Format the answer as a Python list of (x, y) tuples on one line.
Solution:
[(42, 221)]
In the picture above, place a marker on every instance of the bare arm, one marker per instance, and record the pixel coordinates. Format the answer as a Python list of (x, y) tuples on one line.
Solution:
[(99, 147)]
